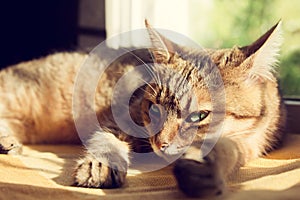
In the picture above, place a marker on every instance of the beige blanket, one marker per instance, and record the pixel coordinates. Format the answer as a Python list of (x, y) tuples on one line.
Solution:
[(45, 172)]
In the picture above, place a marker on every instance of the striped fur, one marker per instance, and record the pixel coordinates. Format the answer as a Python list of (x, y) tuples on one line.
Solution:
[(254, 114), (36, 107)]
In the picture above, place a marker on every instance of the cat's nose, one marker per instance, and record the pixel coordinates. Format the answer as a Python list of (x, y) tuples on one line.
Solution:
[(164, 146)]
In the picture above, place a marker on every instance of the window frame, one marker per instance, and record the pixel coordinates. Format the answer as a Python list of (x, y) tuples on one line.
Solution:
[(293, 115), (292, 104)]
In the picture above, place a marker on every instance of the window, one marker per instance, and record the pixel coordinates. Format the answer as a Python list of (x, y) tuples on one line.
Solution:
[(126, 15), (215, 24), (219, 23), (91, 23)]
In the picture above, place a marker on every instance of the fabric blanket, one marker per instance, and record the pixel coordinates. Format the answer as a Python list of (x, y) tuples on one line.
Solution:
[(45, 172)]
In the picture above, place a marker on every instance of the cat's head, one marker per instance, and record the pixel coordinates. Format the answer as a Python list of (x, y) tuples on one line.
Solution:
[(178, 105)]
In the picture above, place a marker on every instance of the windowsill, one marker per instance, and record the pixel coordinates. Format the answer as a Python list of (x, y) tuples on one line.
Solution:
[(293, 117), (289, 102)]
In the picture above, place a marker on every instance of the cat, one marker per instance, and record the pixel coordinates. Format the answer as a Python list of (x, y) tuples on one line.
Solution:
[(36, 107)]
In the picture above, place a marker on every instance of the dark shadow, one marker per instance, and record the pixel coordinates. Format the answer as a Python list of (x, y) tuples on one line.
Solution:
[(31, 29)]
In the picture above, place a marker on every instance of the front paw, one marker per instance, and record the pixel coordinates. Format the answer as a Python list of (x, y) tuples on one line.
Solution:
[(92, 173), (10, 145), (199, 178)]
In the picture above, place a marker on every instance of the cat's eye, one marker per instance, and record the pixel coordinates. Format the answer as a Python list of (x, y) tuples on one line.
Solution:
[(154, 110), (197, 116)]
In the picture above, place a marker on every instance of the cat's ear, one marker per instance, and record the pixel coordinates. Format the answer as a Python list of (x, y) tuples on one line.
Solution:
[(262, 55), (163, 49)]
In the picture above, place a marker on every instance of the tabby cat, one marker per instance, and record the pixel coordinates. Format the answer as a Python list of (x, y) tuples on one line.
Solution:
[(36, 107)]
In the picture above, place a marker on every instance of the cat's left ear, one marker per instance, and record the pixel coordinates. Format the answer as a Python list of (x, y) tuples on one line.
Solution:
[(262, 55), (163, 48)]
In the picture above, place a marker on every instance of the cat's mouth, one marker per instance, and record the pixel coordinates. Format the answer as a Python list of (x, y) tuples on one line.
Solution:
[(168, 152)]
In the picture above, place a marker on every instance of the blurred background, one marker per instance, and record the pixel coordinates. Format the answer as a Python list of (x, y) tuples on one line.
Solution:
[(33, 28)]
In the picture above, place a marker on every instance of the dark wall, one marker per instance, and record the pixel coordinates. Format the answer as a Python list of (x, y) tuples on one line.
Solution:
[(33, 28)]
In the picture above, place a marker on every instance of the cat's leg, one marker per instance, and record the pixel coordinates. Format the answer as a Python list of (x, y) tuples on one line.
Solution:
[(199, 176), (105, 162), (9, 143)]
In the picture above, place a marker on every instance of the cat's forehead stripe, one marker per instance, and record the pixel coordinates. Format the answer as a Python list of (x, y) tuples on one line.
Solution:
[(201, 63)]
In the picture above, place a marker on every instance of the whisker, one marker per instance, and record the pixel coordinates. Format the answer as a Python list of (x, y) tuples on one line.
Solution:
[(149, 86), (145, 91), (148, 67), (149, 93)]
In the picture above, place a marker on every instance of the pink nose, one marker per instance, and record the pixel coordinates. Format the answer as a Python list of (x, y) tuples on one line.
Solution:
[(164, 146)]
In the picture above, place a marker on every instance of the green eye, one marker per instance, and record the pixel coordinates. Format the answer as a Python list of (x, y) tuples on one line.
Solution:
[(197, 116)]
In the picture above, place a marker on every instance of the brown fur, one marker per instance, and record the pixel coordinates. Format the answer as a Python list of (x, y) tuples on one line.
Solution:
[(36, 107)]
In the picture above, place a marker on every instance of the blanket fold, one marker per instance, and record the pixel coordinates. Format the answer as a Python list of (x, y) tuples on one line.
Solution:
[(45, 172)]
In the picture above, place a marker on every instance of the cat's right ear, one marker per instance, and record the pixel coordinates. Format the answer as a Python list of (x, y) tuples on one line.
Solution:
[(262, 55), (163, 49)]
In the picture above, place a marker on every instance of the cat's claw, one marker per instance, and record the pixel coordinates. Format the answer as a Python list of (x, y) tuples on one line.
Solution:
[(92, 173), (199, 179), (10, 145)]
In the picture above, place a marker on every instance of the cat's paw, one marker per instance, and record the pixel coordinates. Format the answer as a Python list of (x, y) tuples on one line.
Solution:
[(92, 173), (10, 145), (199, 178)]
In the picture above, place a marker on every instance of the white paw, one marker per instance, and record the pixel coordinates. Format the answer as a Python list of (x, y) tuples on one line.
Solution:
[(10, 145), (92, 173)]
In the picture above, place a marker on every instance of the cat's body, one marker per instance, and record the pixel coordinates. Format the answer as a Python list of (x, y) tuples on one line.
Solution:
[(36, 99), (36, 107)]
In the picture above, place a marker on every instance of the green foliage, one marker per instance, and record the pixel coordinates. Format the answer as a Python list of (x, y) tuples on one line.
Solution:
[(248, 23), (290, 74), (223, 23)]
